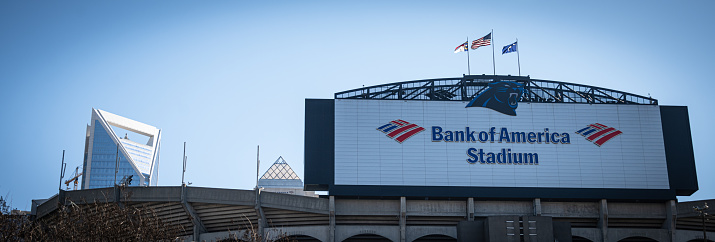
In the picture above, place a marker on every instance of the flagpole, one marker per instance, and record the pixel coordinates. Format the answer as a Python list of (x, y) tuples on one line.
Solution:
[(493, 64), (518, 61), (469, 71)]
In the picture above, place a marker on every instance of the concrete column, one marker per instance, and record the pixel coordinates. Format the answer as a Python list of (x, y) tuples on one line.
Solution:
[(261, 216), (537, 206), (403, 219), (470, 209), (331, 229), (603, 219), (62, 199), (671, 214), (199, 227), (197, 234), (117, 196)]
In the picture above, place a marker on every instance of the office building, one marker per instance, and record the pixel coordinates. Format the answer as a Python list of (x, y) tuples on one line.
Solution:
[(137, 163)]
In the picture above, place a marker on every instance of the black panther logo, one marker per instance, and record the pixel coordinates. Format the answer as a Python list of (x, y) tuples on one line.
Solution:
[(501, 96)]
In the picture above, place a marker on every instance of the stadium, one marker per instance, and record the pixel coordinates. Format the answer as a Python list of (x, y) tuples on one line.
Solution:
[(476, 158)]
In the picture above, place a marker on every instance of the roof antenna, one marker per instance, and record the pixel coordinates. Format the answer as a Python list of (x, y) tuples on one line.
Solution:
[(62, 169), (184, 172), (258, 165)]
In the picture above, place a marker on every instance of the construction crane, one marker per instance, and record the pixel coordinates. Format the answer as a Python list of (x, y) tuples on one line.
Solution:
[(75, 178)]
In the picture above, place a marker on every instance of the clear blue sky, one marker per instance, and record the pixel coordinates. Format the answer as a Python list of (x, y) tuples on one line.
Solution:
[(226, 76)]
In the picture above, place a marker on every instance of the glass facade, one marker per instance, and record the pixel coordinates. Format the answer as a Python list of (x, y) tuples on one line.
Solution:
[(141, 154), (103, 161)]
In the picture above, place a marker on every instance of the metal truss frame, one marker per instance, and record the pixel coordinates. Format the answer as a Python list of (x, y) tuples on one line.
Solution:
[(468, 87)]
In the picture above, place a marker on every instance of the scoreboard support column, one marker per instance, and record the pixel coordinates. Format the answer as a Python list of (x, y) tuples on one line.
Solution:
[(403, 219), (603, 219)]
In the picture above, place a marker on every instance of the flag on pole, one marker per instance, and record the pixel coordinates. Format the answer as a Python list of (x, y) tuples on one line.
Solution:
[(509, 48), (462, 47), (483, 41)]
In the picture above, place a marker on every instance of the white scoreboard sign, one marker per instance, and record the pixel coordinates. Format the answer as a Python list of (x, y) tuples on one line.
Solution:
[(545, 145)]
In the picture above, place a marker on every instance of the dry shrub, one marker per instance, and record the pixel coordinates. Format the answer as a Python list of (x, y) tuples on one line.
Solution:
[(90, 222)]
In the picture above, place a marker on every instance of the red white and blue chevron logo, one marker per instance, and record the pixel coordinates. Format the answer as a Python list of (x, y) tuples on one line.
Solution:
[(599, 133), (400, 130)]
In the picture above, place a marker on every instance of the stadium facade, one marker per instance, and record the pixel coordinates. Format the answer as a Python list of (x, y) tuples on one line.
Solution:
[(211, 214), (106, 150), (476, 158)]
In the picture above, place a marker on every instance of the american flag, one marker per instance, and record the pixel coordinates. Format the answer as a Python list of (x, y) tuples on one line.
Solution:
[(483, 41)]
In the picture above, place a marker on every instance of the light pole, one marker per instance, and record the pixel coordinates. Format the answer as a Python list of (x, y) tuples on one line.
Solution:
[(701, 212)]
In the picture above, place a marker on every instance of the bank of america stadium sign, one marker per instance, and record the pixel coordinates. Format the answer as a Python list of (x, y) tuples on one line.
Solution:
[(401, 130), (442, 143)]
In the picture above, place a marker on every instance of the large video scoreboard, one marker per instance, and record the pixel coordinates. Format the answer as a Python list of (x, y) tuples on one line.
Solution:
[(426, 148), (427, 143)]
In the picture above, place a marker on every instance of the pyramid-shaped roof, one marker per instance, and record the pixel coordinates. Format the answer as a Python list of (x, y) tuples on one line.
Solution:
[(280, 170)]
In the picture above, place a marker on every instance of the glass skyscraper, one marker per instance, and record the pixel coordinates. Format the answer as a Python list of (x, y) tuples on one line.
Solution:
[(106, 153)]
